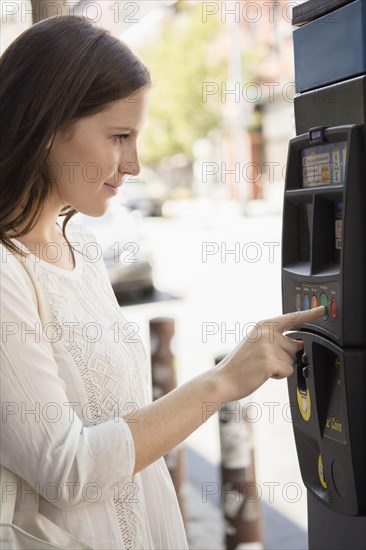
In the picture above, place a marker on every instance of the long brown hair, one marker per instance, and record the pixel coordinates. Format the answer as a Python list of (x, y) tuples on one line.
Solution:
[(56, 72)]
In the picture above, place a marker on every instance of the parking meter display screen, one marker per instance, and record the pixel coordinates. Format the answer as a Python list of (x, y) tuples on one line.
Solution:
[(324, 164)]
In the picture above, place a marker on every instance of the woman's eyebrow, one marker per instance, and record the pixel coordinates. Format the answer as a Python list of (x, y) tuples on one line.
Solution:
[(123, 128)]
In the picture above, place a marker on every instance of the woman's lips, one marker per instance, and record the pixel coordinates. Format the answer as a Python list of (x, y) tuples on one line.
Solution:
[(112, 188)]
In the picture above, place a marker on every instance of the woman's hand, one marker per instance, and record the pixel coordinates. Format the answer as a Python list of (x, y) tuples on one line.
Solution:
[(265, 353)]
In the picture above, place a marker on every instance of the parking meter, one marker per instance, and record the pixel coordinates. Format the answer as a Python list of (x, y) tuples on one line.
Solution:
[(324, 263)]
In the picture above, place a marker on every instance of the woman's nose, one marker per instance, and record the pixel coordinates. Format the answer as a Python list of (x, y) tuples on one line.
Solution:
[(131, 168)]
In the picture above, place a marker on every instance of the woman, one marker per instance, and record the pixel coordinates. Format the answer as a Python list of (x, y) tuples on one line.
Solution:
[(78, 424)]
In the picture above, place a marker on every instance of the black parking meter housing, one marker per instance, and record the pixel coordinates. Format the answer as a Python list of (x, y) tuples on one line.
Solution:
[(324, 231), (324, 263), (328, 411)]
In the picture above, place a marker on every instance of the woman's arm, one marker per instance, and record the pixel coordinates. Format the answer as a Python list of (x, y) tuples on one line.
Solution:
[(163, 424), (69, 455)]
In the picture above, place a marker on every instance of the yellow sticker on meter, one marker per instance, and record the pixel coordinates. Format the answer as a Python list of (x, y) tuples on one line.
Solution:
[(321, 472), (325, 173), (303, 401)]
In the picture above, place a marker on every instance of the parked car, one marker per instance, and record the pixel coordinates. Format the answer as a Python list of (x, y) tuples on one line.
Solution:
[(126, 251), (145, 192)]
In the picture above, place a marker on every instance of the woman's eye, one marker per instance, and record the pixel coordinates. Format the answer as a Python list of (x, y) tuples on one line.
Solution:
[(121, 137)]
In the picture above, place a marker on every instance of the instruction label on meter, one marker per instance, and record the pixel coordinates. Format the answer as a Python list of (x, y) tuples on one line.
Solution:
[(324, 164)]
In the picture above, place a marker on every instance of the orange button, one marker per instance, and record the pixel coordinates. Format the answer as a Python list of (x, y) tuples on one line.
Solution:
[(314, 302)]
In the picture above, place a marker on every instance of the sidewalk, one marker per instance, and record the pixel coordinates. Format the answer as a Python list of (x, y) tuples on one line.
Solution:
[(205, 525)]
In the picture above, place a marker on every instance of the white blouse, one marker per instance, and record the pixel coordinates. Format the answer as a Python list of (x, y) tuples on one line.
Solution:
[(65, 398)]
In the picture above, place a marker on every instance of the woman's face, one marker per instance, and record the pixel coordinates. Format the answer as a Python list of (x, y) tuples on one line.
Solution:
[(87, 169)]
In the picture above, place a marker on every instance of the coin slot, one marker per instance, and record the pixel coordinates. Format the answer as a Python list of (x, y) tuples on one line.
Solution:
[(302, 371)]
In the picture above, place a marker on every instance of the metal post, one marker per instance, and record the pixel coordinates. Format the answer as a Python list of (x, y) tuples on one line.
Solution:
[(164, 380), (239, 496)]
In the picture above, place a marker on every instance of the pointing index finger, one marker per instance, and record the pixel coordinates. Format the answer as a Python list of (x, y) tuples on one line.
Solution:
[(298, 318)]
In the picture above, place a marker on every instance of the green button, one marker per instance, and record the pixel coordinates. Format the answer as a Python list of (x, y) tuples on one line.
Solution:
[(323, 301)]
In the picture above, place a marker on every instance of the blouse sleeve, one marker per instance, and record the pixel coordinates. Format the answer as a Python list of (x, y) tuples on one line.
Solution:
[(42, 440)]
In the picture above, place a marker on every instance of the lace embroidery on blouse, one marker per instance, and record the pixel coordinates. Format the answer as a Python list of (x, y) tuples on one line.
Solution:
[(85, 314)]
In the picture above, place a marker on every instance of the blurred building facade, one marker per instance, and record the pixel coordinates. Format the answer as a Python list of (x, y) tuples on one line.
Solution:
[(272, 34), (267, 92)]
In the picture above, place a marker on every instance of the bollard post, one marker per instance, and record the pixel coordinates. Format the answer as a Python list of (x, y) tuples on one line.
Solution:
[(240, 498), (164, 380)]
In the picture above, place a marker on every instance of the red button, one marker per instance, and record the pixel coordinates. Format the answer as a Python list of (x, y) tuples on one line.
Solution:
[(333, 308)]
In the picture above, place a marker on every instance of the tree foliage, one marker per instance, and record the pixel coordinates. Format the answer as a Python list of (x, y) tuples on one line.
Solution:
[(185, 54)]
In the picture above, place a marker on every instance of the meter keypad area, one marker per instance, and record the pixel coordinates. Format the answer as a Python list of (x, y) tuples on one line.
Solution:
[(328, 418), (306, 296), (324, 231)]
